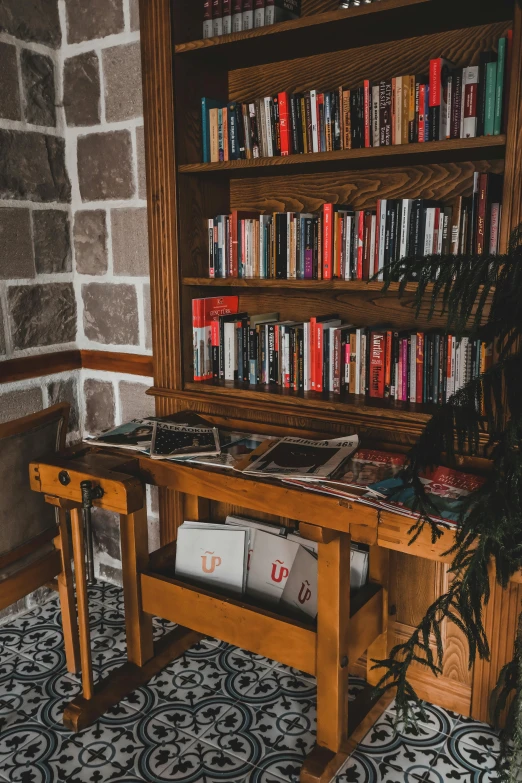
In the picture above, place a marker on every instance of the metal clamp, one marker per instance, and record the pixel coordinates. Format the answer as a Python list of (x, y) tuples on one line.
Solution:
[(89, 493)]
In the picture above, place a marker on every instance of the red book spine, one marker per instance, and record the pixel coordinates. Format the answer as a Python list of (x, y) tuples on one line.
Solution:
[(419, 368), (367, 114), (340, 246), (214, 341), (481, 215), (284, 124), (207, 10), (377, 364), (360, 244), (327, 241), (422, 119), (404, 353), (387, 363), (318, 357), (313, 324), (435, 68)]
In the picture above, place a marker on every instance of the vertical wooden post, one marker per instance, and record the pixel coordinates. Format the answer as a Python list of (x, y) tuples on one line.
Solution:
[(379, 572), (66, 593), (195, 508), (333, 622), (82, 601), (134, 559)]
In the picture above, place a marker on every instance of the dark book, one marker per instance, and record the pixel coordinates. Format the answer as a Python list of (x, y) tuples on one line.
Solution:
[(300, 349), (294, 130), (281, 238), (273, 364), (456, 103)]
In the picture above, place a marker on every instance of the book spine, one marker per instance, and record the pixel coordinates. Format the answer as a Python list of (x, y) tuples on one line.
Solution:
[(481, 215), (328, 215), (259, 13), (227, 17), (314, 115), (422, 117), (217, 17), (367, 114), (208, 27), (469, 109), (248, 14), (237, 16), (491, 89), (456, 104), (284, 123), (419, 367), (499, 93), (377, 364)]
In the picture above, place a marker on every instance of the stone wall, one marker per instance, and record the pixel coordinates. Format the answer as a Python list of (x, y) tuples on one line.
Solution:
[(38, 309)]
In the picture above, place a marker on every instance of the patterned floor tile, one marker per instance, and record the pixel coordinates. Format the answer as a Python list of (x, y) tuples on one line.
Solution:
[(201, 763), (359, 768)]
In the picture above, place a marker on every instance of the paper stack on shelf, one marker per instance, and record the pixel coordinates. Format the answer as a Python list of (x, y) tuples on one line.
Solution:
[(300, 458)]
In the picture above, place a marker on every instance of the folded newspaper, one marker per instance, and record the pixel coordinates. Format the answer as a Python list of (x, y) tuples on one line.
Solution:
[(135, 435), (178, 440), (299, 457)]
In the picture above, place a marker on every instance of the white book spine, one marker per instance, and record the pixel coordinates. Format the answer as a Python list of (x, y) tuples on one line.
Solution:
[(217, 26), (358, 351), (428, 231), (306, 356), (405, 227), (376, 128), (413, 368), (208, 28), (313, 109), (270, 15), (268, 124), (248, 20), (382, 238), (237, 22), (449, 106), (372, 246), (347, 246), (230, 350), (227, 24), (259, 17), (440, 232)]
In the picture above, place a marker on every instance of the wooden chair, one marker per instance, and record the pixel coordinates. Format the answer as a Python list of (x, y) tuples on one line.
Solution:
[(34, 543)]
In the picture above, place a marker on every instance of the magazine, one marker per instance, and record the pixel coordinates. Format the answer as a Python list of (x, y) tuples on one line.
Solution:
[(172, 440), (300, 458), (135, 435), (445, 487), (237, 445), (366, 467)]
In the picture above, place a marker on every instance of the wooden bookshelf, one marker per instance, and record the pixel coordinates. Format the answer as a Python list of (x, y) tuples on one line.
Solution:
[(323, 49)]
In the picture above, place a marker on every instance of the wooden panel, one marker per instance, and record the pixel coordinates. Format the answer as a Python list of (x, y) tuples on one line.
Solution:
[(512, 199), (158, 92), (129, 363), (39, 366), (257, 630), (373, 62)]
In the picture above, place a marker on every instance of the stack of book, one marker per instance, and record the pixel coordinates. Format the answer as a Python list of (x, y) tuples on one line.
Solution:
[(346, 244), (222, 17), (447, 102), (325, 355), (268, 563)]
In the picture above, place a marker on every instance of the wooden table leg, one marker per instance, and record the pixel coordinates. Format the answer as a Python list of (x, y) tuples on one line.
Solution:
[(66, 593), (333, 620), (134, 559), (379, 568), (82, 602)]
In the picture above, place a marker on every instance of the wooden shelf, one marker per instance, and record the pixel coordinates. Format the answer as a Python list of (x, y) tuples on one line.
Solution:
[(429, 152), (342, 29), (304, 285)]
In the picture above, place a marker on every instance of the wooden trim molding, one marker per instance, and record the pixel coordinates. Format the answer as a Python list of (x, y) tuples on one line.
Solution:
[(45, 364)]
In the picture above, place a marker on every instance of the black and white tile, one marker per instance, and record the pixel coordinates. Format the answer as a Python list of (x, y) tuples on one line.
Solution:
[(218, 714)]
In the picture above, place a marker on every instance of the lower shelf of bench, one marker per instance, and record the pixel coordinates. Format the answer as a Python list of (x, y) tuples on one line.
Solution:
[(253, 628)]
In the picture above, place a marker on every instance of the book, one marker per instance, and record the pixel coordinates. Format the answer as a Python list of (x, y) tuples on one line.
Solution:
[(440, 69), (212, 555), (282, 10), (299, 457), (172, 440), (300, 591), (499, 91), (207, 19), (227, 17), (490, 98), (217, 17), (204, 312), (237, 16), (470, 83), (248, 14)]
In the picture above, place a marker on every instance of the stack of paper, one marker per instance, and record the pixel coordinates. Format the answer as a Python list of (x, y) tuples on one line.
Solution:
[(300, 458)]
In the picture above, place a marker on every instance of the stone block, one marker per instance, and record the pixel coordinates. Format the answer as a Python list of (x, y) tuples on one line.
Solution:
[(42, 314), (106, 533), (66, 391), (135, 403), (147, 315), (130, 248), (122, 73), (140, 149), (52, 241), (9, 85), (98, 399), (90, 242), (22, 402), (32, 20), (32, 167), (105, 166), (95, 19), (135, 14), (39, 92), (81, 89), (110, 313), (16, 244)]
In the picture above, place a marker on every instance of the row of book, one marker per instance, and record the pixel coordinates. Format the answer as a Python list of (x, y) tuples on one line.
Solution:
[(222, 17), (346, 244), (326, 355), (268, 563), (449, 103)]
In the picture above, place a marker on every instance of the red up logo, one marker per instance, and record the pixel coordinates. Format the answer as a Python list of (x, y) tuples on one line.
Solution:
[(279, 571), (304, 593), (209, 562)]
